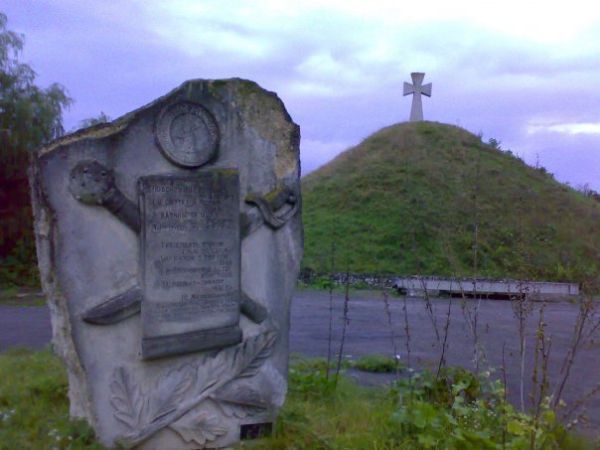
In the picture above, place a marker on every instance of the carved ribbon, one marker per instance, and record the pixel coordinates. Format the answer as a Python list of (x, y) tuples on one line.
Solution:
[(272, 205)]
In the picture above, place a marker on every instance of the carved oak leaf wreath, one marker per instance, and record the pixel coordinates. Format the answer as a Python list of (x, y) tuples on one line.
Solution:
[(178, 391)]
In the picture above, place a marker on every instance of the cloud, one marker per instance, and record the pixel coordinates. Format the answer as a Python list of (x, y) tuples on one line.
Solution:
[(500, 68), (568, 128)]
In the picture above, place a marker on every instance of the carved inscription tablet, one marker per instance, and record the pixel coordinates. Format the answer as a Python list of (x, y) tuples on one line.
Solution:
[(190, 262), (187, 134)]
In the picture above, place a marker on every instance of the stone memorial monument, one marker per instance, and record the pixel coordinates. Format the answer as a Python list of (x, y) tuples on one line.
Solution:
[(416, 89), (169, 243)]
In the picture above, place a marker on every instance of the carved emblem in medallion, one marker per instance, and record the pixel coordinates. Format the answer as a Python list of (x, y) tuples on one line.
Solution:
[(187, 134)]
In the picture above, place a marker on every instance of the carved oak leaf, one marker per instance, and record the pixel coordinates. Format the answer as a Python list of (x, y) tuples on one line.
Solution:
[(278, 386), (240, 402), (209, 372), (126, 398), (199, 427), (266, 348), (241, 361), (240, 410), (170, 390)]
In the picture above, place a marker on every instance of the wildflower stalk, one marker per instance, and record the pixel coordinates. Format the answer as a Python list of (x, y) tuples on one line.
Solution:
[(330, 334)]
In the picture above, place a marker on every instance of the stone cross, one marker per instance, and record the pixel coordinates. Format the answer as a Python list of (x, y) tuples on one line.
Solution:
[(417, 88)]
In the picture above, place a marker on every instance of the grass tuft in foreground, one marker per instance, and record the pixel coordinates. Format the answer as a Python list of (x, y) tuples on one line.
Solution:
[(34, 408), (377, 364), (455, 410)]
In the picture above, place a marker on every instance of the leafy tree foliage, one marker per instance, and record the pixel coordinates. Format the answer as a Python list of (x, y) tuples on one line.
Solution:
[(29, 117), (92, 121)]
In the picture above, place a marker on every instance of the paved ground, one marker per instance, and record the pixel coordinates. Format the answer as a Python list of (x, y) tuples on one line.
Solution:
[(368, 332), (27, 326)]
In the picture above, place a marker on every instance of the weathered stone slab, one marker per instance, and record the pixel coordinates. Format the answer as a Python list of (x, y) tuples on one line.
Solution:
[(190, 246), (169, 243)]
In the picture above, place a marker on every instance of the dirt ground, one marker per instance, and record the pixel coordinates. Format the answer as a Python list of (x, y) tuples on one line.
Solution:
[(369, 332)]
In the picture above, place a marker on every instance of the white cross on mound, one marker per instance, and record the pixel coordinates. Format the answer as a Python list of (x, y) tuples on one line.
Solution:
[(416, 110)]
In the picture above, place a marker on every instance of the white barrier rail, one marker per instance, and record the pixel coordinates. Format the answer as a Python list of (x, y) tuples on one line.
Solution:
[(484, 286)]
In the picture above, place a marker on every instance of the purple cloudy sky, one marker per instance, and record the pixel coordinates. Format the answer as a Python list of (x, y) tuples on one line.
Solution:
[(525, 73)]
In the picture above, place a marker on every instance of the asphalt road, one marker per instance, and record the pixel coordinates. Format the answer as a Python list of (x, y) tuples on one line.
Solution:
[(27, 326), (369, 332)]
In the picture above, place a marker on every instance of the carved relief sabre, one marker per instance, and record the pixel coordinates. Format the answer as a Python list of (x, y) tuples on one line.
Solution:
[(94, 184)]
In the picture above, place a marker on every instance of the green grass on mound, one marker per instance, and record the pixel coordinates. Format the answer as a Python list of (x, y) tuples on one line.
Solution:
[(411, 198)]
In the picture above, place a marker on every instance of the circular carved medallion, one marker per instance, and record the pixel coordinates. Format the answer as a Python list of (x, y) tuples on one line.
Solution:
[(187, 134)]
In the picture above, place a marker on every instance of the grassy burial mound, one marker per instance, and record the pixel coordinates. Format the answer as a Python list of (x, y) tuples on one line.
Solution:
[(427, 198)]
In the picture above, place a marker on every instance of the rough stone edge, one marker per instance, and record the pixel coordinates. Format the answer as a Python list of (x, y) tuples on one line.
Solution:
[(62, 338), (103, 130), (288, 156)]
